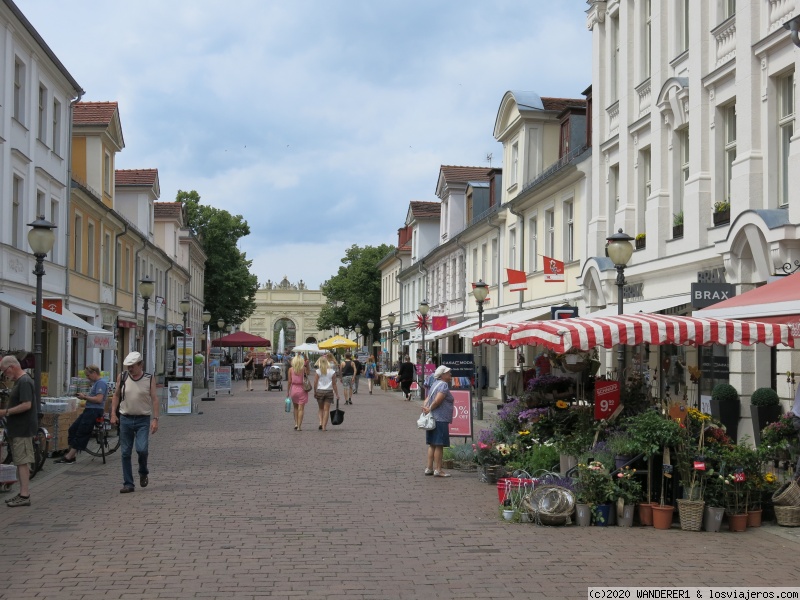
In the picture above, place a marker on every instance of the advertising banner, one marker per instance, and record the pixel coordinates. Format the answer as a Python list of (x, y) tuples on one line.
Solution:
[(185, 362), (179, 398), (462, 414), (606, 398)]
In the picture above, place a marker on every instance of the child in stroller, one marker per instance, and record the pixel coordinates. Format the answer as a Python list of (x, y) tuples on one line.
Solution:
[(274, 377)]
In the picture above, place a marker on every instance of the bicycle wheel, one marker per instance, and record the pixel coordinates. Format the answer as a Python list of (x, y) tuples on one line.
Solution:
[(103, 441), (41, 446), (112, 439)]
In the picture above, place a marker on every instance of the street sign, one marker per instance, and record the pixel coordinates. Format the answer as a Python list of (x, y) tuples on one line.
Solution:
[(606, 398)]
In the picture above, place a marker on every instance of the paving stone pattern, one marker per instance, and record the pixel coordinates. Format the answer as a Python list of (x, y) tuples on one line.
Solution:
[(242, 506)]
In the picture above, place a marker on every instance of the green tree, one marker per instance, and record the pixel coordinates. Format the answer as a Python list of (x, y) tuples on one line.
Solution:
[(230, 288), (354, 293)]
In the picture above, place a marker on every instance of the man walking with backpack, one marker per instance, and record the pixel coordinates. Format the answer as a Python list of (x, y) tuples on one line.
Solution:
[(135, 399), (357, 376)]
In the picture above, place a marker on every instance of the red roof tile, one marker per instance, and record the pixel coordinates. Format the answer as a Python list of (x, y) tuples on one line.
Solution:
[(463, 174), (136, 176), (425, 210), (94, 113), (167, 209), (560, 104)]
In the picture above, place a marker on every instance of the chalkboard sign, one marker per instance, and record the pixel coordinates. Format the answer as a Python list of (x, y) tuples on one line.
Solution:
[(222, 379), (462, 365)]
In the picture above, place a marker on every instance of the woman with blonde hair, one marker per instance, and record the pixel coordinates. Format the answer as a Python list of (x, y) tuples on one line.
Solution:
[(296, 392), (324, 390)]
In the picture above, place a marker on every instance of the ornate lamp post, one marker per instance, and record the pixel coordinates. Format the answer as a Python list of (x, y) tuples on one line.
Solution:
[(423, 310), (620, 251), (41, 239), (185, 306), (390, 318), (206, 321), (370, 325), (480, 291), (146, 288), (358, 335)]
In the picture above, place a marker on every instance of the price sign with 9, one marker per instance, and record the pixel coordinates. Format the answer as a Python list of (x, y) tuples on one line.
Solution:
[(606, 399)]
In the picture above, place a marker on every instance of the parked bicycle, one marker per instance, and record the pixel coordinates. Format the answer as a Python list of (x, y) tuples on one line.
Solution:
[(41, 442), (104, 439)]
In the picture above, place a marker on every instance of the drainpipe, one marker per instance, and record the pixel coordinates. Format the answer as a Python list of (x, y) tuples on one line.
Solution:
[(67, 231), (521, 246), (116, 272)]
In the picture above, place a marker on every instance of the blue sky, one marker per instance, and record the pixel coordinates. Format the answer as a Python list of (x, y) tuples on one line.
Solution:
[(316, 120)]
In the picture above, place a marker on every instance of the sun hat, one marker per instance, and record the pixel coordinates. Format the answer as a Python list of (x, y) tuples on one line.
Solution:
[(437, 374), (132, 359)]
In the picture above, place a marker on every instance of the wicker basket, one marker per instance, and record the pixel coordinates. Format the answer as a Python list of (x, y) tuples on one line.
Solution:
[(787, 495), (691, 514), (788, 516)]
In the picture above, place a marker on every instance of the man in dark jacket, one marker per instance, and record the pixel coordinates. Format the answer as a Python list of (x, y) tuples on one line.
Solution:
[(357, 376), (405, 375)]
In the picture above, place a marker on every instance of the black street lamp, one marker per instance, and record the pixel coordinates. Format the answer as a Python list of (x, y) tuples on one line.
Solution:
[(358, 335), (41, 239), (206, 321), (185, 306), (620, 251), (146, 288), (390, 318), (423, 310), (480, 291), (370, 325)]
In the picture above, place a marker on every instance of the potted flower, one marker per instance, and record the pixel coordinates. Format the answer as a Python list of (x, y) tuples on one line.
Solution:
[(736, 500), (714, 497), (778, 439), (624, 447), (596, 489), (722, 213), (765, 408), (725, 407), (677, 225), (641, 240), (546, 389), (629, 493)]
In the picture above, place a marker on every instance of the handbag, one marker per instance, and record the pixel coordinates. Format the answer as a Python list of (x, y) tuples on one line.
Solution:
[(426, 421), (307, 384)]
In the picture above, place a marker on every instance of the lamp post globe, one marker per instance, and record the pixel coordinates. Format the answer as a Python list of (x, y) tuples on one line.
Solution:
[(358, 333), (480, 291), (370, 325), (41, 239), (620, 251)]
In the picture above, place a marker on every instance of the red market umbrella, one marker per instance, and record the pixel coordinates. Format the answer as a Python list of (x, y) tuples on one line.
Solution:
[(242, 339)]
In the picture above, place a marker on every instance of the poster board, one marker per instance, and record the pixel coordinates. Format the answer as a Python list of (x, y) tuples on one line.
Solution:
[(179, 398), (185, 366), (462, 414), (222, 379)]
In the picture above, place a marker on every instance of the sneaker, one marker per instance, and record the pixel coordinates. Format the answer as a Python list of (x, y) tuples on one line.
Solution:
[(65, 461), (428, 471), (143, 481), (127, 490), (12, 499), (19, 501)]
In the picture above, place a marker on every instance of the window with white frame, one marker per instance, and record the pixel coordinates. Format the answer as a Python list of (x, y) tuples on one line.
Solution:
[(512, 248), (90, 253), (77, 249), (683, 146), (550, 234), (56, 127), (19, 90), (613, 191), (729, 8), (647, 38), (475, 264), (107, 258), (118, 263), (785, 132), (40, 199), (729, 118), (496, 278), (569, 231), (644, 190), (16, 212), (514, 163), (613, 72), (683, 26), (107, 173), (484, 262), (533, 245), (454, 291), (42, 120), (54, 216), (126, 270)]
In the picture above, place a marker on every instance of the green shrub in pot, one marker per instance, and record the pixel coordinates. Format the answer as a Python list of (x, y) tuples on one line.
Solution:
[(724, 392), (765, 397)]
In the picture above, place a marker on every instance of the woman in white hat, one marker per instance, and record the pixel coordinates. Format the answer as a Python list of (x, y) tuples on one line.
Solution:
[(440, 404)]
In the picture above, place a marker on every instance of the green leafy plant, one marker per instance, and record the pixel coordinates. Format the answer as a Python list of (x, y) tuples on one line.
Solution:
[(677, 219), (594, 483), (652, 431), (640, 237), (629, 488), (724, 392), (765, 397), (721, 206), (621, 443)]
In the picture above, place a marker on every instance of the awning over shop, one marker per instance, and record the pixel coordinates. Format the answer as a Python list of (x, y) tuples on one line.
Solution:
[(435, 335), (99, 338), (508, 321), (778, 300), (644, 306), (585, 333)]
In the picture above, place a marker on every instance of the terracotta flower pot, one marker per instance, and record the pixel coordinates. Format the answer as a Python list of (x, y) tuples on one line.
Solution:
[(662, 516), (646, 513), (737, 522), (754, 518)]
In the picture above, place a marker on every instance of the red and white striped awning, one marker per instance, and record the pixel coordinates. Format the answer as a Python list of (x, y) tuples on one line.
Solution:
[(585, 333)]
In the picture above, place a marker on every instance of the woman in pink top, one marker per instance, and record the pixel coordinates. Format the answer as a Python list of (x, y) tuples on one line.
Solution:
[(296, 392)]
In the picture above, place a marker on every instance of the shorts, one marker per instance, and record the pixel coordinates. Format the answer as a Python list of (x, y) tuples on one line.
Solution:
[(22, 451), (347, 382), (323, 396), (439, 436), (248, 374)]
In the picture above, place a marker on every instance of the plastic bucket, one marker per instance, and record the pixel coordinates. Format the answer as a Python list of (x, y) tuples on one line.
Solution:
[(514, 483)]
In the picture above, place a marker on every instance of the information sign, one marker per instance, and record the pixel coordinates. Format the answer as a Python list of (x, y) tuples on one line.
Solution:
[(606, 399)]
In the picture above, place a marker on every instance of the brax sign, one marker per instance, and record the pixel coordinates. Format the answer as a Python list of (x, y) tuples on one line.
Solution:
[(706, 294)]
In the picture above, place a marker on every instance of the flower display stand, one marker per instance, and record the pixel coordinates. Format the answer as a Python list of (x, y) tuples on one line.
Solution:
[(712, 518), (690, 513), (662, 516)]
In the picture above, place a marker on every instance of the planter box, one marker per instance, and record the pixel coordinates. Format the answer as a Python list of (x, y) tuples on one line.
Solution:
[(728, 414), (677, 232), (640, 244), (722, 217), (763, 416)]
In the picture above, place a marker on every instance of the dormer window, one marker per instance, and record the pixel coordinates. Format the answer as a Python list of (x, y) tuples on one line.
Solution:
[(563, 149), (514, 163)]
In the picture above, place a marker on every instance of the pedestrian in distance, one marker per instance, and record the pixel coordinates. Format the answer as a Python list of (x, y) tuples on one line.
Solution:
[(371, 372), (357, 376), (348, 371), (135, 399), (81, 430), (249, 369), (439, 403), (22, 421), (296, 392), (405, 375), (266, 364), (324, 390)]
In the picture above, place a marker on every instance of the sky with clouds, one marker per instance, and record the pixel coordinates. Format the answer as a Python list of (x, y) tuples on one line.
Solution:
[(316, 120)]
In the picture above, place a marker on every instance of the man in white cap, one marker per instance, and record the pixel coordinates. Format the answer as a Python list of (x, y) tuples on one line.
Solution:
[(135, 398)]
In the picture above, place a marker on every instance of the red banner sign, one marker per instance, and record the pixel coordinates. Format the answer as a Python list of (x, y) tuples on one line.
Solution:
[(462, 414), (606, 398)]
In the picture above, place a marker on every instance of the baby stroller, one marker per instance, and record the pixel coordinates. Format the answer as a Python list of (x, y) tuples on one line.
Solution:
[(275, 378)]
